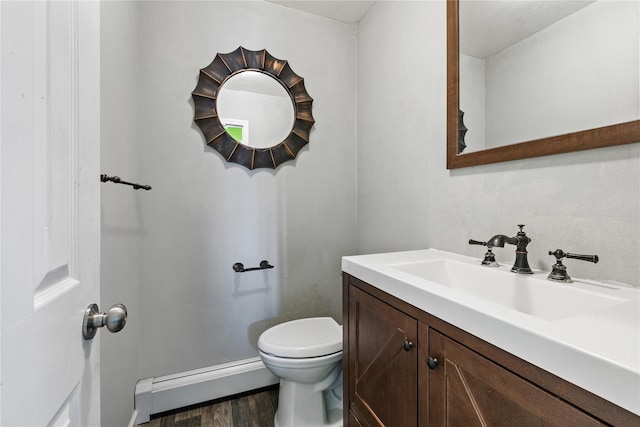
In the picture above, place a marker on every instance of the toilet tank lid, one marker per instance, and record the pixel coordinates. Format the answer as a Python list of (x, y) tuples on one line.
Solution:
[(311, 337)]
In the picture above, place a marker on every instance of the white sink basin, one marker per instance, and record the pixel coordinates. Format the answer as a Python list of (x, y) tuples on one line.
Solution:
[(524, 293)]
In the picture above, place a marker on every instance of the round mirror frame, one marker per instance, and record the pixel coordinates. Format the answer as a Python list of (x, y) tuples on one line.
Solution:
[(223, 67)]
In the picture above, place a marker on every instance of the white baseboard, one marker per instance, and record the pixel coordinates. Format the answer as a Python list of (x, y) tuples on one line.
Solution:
[(160, 394), (132, 421)]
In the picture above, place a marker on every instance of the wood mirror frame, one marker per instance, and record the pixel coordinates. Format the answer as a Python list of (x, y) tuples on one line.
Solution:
[(618, 134), (213, 77)]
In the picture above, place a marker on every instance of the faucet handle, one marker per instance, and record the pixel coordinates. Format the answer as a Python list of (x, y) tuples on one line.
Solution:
[(559, 254), (476, 242), (521, 231), (489, 257), (559, 270)]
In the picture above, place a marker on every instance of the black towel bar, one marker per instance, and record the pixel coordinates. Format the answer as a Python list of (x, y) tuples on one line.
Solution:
[(117, 180)]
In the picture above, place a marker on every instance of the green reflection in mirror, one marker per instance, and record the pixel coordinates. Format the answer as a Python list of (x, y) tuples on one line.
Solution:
[(238, 129), (235, 132)]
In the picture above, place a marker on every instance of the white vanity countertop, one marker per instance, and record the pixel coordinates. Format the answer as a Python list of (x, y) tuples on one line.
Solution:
[(598, 350)]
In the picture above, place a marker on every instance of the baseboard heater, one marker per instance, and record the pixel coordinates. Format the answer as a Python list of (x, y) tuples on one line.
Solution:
[(161, 394)]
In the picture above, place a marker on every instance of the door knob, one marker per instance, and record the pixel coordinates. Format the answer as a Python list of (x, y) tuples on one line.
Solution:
[(407, 345), (114, 319)]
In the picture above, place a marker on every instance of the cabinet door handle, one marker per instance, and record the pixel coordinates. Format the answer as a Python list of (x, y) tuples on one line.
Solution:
[(432, 362), (407, 345)]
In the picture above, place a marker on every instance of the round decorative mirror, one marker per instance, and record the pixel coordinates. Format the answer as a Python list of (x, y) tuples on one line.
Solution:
[(252, 108)]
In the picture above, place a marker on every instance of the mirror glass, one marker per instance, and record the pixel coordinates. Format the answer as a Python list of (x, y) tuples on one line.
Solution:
[(535, 69), (255, 109)]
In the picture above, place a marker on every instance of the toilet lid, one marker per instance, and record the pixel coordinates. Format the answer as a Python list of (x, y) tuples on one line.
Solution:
[(312, 337)]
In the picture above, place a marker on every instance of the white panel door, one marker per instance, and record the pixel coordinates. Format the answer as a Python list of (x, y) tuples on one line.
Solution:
[(50, 212)]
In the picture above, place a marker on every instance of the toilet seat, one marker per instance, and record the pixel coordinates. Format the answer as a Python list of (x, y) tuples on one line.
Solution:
[(302, 338)]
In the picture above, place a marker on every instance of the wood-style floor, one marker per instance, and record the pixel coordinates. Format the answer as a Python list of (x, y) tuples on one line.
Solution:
[(252, 409)]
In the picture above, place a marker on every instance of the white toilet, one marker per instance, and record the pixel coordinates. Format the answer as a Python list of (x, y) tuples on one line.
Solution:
[(306, 355)]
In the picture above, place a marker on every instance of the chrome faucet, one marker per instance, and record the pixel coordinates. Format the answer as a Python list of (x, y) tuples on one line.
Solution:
[(520, 240)]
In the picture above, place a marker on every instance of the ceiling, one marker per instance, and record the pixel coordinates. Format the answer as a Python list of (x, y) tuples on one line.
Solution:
[(349, 11), (479, 19), (487, 27)]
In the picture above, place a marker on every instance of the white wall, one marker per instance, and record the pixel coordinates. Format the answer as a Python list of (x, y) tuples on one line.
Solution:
[(168, 253), (122, 223), (585, 202), (204, 214)]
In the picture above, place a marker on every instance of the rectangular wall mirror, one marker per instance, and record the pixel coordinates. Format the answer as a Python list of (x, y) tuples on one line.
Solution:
[(534, 78)]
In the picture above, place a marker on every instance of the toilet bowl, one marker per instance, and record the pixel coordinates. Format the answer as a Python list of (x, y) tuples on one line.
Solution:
[(306, 355)]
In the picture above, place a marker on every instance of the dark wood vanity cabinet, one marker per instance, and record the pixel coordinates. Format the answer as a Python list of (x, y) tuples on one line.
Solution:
[(467, 389), (404, 367), (383, 367)]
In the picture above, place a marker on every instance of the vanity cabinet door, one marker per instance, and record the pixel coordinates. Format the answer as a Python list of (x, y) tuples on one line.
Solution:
[(467, 389), (382, 363)]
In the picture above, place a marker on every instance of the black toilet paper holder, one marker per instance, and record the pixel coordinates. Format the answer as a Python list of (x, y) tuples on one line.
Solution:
[(238, 267)]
